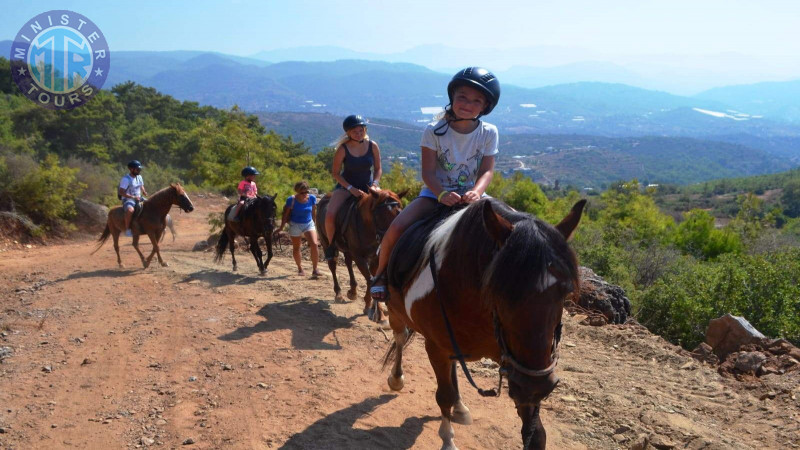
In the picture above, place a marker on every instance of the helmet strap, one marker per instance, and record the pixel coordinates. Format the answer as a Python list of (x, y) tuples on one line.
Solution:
[(447, 123)]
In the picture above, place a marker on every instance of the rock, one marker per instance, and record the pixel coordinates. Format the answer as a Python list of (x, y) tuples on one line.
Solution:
[(705, 353), (161, 422), (227, 367), (188, 441), (47, 369), (622, 430), (619, 438), (53, 425), (5, 352), (661, 442), (597, 295), (146, 441), (641, 443), (90, 214), (192, 378), (199, 246), (727, 333), (749, 362), (3, 430), (569, 398), (86, 362)]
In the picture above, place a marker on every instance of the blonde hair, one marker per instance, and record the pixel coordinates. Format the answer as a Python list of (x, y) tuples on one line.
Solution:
[(344, 138)]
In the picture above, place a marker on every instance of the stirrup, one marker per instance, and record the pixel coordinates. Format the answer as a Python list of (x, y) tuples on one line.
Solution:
[(378, 289)]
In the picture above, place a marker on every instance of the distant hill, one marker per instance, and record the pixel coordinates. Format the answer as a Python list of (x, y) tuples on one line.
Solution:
[(775, 100)]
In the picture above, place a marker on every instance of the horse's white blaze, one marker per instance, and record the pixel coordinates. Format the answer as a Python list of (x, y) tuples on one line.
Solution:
[(548, 281), (423, 282)]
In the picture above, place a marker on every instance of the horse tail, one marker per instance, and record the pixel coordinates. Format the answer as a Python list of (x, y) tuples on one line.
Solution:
[(221, 245), (102, 239), (391, 354)]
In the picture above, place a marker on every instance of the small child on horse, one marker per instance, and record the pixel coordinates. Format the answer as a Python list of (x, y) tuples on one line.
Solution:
[(131, 191), (458, 152), (356, 169), (300, 212), (247, 189)]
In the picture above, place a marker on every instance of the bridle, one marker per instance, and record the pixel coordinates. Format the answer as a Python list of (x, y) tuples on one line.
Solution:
[(508, 363), (389, 203)]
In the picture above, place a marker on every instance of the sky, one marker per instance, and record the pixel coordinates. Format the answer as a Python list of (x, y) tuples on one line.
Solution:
[(608, 28)]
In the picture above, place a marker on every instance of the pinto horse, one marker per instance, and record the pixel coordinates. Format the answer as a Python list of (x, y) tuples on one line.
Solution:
[(256, 219), (360, 226), (487, 282), (152, 221)]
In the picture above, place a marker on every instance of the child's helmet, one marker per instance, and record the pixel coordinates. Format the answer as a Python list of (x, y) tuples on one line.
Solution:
[(353, 121), (135, 164), (250, 170), (480, 79)]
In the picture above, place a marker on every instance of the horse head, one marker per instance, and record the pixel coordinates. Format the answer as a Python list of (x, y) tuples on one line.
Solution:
[(266, 208), (526, 285), (181, 199), (380, 208)]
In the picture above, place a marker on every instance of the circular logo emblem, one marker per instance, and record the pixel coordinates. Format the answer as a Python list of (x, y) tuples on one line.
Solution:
[(60, 59)]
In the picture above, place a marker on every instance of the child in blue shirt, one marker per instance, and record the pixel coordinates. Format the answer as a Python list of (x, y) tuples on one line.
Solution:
[(300, 212)]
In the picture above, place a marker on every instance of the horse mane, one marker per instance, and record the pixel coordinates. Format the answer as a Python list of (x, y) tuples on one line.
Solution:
[(155, 198), (532, 248), (369, 202)]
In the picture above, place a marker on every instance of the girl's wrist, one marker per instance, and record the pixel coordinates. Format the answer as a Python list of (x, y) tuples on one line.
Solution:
[(349, 186), (441, 195)]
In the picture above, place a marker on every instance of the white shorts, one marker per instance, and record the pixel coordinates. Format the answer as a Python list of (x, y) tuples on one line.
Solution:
[(297, 229)]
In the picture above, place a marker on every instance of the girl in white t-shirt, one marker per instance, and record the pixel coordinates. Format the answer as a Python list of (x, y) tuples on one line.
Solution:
[(457, 158)]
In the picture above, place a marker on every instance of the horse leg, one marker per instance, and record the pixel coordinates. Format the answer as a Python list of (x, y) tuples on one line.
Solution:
[(461, 414), (339, 298), (232, 246), (256, 251), (533, 435), (396, 380), (379, 315), (446, 393), (145, 263), (268, 240), (154, 238), (115, 235), (353, 291)]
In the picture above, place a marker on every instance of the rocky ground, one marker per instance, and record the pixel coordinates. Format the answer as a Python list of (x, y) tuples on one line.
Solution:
[(196, 356)]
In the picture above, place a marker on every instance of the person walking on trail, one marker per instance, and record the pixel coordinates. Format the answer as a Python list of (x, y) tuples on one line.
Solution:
[(247, 188), (458, 153), (300, 212), (356, 169), (131, 191)]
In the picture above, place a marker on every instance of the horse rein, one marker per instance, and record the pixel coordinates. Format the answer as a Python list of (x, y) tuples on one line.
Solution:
[(390, 203), (506, 358)]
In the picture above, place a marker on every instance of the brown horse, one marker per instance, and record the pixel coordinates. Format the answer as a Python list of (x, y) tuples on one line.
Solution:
[(256, 219), (489, 282), (360, 228), (151, 221)]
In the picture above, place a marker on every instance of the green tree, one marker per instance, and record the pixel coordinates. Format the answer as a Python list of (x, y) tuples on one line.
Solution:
[(697, 236)]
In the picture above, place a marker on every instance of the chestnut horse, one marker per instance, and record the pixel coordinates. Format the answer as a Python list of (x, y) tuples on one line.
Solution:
[(489, 282), (256, 219), (360, 226), (152, 221)]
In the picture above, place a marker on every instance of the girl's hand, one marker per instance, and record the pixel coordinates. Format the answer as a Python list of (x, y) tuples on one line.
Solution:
[(450, 199), (375, 188), (357, 193), (470, 197)]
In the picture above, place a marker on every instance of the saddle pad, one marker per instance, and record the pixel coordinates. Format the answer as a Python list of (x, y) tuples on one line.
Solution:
[(408, 250)]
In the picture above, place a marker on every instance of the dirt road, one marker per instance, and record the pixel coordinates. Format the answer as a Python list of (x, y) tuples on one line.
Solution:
[(196, 356)]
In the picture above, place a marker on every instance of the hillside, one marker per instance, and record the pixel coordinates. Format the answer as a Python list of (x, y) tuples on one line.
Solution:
[(770, 99)]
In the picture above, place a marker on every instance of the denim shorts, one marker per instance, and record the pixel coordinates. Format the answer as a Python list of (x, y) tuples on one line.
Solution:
[(297, 229), (128, 202)]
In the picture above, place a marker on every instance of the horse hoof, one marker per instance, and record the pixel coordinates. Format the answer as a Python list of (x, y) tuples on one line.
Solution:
[(339, 298), (385, 325), (352, 294), (370, 314), (235, 269), (462, 417), (396, 384), (263, 272), (164, 264)]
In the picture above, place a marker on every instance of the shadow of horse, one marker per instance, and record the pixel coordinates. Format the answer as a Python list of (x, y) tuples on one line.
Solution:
[(101, 273), (336, 430), (217, 278), (298, 316)]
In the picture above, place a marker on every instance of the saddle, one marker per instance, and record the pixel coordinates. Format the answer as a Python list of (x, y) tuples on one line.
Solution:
[(343, 218), (408, 250), (137, 210)]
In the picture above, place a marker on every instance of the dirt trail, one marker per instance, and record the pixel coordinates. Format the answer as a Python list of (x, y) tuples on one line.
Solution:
[(99, 357)]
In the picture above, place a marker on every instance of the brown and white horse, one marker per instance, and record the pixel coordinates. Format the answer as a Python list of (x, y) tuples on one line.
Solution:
[(152, 221), (499, 281)]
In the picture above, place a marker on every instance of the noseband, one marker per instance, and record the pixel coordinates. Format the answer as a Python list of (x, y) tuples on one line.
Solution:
[(508, 363), (389, 203)]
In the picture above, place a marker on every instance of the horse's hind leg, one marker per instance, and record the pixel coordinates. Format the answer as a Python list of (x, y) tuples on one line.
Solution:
[(461, 414), (255, 249), (396, 380), (115, 236), (446, 393), (352, 293), (338, 298), (155, 238), (231, 247)]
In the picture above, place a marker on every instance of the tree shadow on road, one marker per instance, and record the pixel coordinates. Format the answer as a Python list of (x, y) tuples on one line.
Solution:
[(218, 278), (310, 321), (336, 430)]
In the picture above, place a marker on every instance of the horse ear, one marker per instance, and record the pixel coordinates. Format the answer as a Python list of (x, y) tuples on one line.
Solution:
[(568, 225), (374, 194), (274, 196), (403, 193), (498, 227)]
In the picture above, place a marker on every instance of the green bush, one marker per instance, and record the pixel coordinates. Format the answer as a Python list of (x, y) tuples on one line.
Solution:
[(48, 194)]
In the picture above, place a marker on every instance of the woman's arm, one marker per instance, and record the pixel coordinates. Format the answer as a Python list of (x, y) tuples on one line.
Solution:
[(287, 210), (376, 164), (314, 213)]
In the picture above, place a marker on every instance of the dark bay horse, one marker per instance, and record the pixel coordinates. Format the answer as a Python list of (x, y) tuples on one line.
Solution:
[(497, 290), (358, 234), (256, 219), (152, 221)]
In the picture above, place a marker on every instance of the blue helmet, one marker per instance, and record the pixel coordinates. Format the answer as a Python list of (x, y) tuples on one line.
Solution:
[(250, 170), (135, 164), (353, 121)]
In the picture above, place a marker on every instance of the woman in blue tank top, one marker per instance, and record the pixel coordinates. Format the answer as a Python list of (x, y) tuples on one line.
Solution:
[(356, 169)]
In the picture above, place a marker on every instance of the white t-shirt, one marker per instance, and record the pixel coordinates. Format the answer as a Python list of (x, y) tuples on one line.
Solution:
[(132, 185), (459, 155)]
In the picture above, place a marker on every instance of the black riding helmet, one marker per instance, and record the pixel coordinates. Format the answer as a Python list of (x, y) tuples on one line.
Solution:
[(480, 79), (353, 121), (250, 170), (135, 164)]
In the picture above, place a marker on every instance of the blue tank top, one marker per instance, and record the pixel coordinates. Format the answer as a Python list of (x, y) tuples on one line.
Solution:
[(358, 169)]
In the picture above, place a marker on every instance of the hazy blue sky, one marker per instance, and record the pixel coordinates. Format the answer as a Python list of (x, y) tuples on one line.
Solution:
[(760, 28)]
